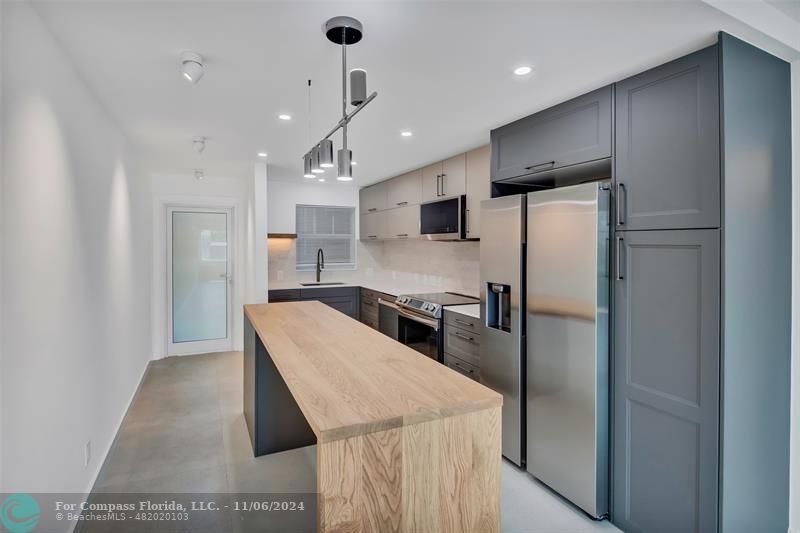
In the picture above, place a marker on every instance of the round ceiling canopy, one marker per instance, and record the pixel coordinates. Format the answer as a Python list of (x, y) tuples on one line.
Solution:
[(353, 31)]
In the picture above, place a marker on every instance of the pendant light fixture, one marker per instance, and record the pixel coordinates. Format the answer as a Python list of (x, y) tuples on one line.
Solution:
[(307, 158), (343, 31)]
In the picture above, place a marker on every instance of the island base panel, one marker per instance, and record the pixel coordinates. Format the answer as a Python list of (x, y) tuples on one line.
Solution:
[(274, 420), (442, 475)]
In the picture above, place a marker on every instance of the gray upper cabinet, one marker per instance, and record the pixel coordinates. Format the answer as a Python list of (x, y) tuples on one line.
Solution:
[(404, 190), (666, 375), (668, 145), (574, 132), (373, 198)]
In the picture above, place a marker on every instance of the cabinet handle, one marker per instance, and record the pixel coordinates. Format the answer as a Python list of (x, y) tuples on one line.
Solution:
[(371, 209), (402, 235), (372, 236), (466, 338), (535, 168), (459, 321), (444, 183), (621, 206), (465, 369), (438, 184), (402, 203), (620, 258)]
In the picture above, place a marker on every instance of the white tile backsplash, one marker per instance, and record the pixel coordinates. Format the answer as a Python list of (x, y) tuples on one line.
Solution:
[(452, 266)]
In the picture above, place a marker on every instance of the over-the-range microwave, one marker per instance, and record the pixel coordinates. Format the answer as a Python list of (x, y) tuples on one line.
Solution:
[(443, 220)]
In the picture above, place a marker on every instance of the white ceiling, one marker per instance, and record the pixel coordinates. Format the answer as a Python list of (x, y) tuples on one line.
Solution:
[(441, 69)]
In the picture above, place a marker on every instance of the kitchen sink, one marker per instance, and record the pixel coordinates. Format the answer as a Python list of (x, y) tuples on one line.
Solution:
[(320, 283)]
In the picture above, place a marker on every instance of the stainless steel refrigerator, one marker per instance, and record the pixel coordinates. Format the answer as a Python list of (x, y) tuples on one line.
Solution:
[(503, 323), (555, 271)]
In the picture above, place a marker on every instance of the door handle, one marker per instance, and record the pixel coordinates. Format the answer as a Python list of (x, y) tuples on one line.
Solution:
[(621, 206), (620, 258)]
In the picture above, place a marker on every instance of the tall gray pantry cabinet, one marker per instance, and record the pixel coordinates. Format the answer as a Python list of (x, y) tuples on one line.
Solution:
[(702, 280)]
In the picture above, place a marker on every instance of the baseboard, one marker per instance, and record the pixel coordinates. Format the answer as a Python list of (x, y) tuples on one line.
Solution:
[(79, 525)]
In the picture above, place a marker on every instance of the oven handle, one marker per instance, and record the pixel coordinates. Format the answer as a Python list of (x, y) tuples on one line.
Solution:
[(387, 303), (422, 320)]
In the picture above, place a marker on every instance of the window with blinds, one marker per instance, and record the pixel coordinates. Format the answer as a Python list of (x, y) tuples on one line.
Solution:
[(331, 228)]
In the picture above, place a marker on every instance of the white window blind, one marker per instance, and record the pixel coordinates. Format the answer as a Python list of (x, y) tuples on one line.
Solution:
[(331, 228)]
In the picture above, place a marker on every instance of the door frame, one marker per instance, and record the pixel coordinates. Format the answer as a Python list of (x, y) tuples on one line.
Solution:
[(207, 346)]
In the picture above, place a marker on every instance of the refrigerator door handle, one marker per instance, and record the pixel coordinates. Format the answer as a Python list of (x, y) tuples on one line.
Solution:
[(620, 258), (621, 206)]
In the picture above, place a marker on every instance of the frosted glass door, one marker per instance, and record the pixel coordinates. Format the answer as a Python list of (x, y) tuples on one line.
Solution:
[(200, 276)]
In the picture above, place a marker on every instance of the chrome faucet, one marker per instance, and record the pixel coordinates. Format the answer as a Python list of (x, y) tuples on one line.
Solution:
[(320, 262)]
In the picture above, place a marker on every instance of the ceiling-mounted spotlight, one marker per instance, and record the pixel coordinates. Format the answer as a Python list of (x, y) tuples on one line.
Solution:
[(199, 144), (192, 66), (345, 165), (198, 174), (307, 166), (326, 153)]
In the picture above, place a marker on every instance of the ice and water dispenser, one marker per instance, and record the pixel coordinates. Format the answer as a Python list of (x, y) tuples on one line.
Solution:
[(498, 306)]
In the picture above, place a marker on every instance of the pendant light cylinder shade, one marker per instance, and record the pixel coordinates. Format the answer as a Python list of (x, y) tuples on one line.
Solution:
[(307, 166), (326, 153), (315, 168), (358, 86), (345, 165)]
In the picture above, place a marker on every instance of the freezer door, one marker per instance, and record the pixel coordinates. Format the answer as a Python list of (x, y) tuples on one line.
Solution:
[(502, 330), (567, 343)]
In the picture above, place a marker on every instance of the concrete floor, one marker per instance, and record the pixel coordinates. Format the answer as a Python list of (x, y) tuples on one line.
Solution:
[(185, 433)]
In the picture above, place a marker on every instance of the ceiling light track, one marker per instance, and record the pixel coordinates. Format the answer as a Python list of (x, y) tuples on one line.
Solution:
[(343, 31)]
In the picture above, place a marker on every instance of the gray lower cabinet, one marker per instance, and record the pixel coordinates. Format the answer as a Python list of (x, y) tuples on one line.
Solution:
[(370, 307), (666, 381), (344, 299), (576, 131), (668, 145), (462, 344), (284, 295)]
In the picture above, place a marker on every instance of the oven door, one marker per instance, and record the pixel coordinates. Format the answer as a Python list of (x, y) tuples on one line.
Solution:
[(420, 333), (443, 220)]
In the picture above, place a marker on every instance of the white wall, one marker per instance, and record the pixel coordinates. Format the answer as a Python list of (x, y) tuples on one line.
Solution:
[(213, 191), (75, 266)]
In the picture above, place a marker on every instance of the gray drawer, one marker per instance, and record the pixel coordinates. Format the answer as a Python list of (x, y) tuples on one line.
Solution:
[(369, 320), (462, 321), (463, 344), (462, 367)]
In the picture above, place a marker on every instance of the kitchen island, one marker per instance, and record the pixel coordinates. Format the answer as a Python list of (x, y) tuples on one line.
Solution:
[(403, 443)]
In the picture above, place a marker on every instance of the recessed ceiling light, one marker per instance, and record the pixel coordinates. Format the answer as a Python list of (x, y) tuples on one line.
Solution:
[(285, 117), (354, 163), (406, 133), (522, 71), (322, 180), (262, 154)]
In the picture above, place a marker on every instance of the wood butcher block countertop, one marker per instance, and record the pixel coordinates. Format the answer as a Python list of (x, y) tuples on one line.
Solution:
[(349, 379)]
